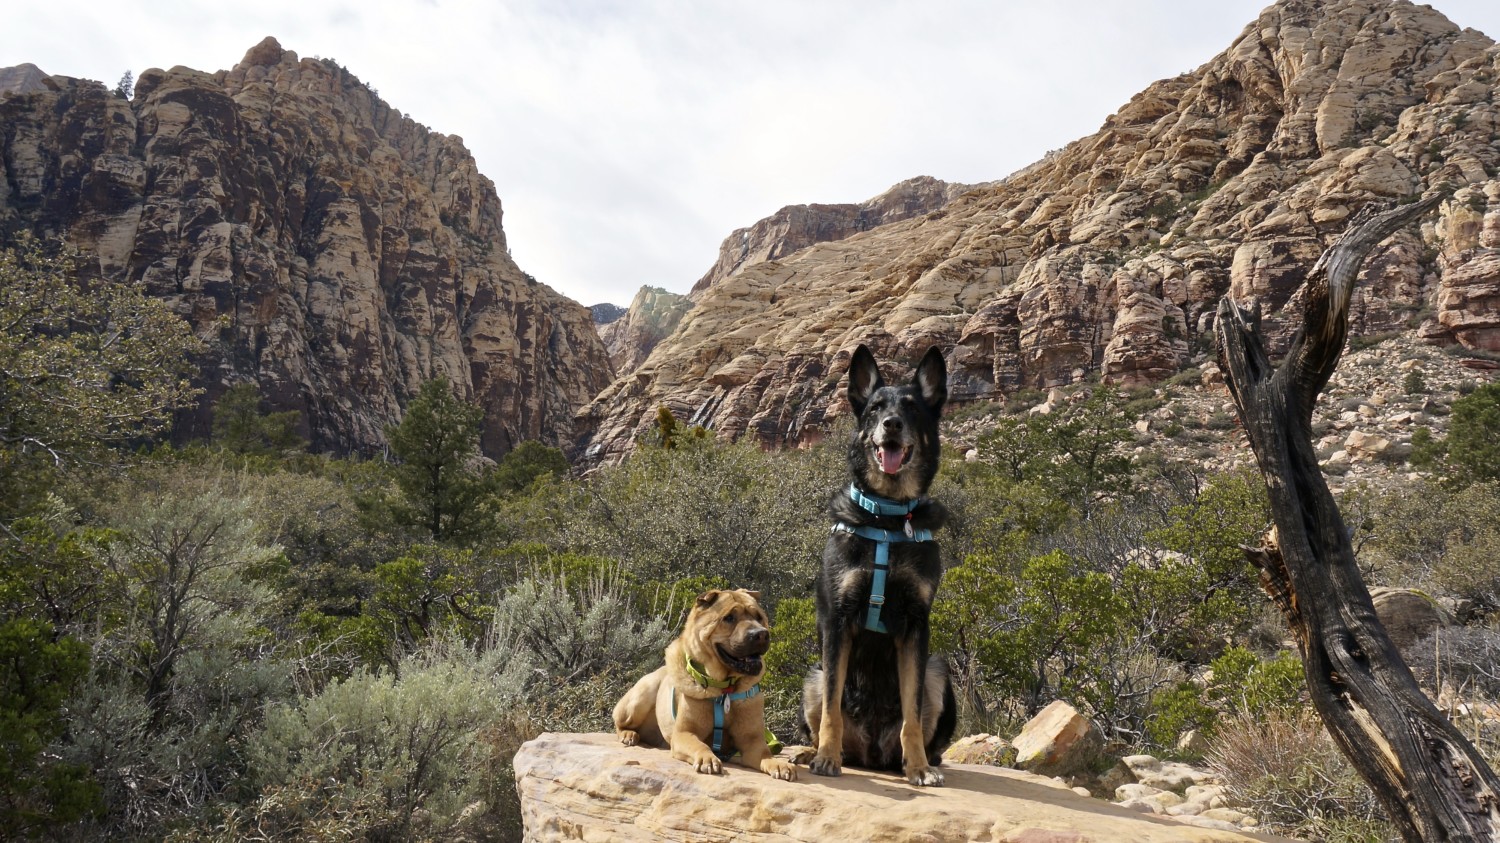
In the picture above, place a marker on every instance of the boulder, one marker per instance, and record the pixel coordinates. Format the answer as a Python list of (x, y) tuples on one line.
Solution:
[(1408, 614), (981, 749), (1166, 775), (588, 787), (1056, 742)]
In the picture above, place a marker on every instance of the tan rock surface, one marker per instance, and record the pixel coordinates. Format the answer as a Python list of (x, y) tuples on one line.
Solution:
[(329, 247), (588, 787), (1109, 256)]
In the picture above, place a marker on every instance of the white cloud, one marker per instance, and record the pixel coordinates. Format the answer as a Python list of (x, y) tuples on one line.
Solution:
[(628, 137)]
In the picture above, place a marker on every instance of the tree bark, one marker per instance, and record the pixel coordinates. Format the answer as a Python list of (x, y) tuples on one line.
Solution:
[(1431, 780)]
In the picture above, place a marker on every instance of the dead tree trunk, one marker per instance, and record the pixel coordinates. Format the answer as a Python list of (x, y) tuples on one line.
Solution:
[(1432, 781)]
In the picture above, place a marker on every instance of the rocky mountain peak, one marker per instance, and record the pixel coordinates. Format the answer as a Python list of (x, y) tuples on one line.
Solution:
[(1108, 257), (333, 250), (21, 79)]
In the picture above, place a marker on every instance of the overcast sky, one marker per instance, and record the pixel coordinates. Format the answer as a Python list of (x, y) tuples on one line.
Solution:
[(627, 138)]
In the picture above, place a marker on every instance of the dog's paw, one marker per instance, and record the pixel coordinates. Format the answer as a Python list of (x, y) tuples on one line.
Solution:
[(925, 776), (827, 764), (628, 737), (707, 762), (779, 769)]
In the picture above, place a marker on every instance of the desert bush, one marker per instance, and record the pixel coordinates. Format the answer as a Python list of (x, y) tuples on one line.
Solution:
[(794, 651), (390, 757), (1283, 768), (701, 508), (1441, 540), (574, 630), (1238, 683)]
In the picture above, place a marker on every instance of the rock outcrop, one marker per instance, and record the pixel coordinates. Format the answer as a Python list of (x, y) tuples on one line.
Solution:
[(588, 787), (652, 316), (331, 249), (21, 79), (796, 227), (1109, 256)]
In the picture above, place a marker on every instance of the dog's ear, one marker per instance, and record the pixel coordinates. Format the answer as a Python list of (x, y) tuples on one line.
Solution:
[(754, 595), (931, 379), (864, 379), (708, 598)]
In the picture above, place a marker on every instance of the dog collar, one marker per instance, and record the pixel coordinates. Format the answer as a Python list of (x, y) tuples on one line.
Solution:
[(696, 671), (876, 505)]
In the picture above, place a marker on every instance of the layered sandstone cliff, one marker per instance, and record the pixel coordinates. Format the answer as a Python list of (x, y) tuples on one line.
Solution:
[(1109, 257), (796, 227), (655, 313), (330, 248), (651, 317)]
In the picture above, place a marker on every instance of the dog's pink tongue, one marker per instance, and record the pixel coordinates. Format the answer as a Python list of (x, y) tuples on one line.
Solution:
[(890, 459)]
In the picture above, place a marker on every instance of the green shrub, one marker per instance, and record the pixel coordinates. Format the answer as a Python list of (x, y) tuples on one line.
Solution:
[(373, 750), (1414, 383), (1473, 442), (794, 651)]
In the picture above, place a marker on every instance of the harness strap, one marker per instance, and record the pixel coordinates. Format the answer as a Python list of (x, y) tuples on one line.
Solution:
[(883, 540), (721, 708)]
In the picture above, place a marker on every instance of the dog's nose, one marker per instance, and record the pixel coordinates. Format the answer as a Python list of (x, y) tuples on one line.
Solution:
[(759, 636), (891, 423)]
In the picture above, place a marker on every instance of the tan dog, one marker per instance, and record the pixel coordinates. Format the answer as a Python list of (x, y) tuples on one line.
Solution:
[(715, 663)]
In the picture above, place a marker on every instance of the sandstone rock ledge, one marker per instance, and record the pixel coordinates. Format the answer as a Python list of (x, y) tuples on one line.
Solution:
[(588, 787)]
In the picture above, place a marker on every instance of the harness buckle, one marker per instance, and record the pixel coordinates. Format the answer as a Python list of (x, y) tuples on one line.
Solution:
[(877, 600)]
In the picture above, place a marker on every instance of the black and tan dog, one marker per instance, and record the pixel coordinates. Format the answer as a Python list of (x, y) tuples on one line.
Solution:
[(705, 703), (880, 700)]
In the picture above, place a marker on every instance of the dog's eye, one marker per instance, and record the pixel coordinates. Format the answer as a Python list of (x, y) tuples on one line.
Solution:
[(729, 618)]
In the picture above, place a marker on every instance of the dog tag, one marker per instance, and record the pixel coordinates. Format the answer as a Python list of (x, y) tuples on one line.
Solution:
[(907, 528), (727, 701)]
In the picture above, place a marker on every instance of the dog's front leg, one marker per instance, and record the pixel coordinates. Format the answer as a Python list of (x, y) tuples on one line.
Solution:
[(748, 728), (911, 665), (695, 716), (829, 760)]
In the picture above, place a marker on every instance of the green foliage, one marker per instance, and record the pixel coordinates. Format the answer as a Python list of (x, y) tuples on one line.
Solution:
[(527, 462), (1043, 630), (241, 428), (82, 366), (1414, 383), (377, 748), (443, 493), (794, 651), (38, 672), (576, 630), (668, 432), (1073, 451), (1426, 452), (700, 509), (1473, 442), (1196, 601), (1241, 684), (1440, 539), (430, 591)]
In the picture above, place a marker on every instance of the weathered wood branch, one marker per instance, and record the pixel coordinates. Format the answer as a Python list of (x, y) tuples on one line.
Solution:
[(1430, 779)]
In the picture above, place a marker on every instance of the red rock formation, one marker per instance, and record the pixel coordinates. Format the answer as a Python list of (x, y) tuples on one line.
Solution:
[(329, 247), (1110, 255)]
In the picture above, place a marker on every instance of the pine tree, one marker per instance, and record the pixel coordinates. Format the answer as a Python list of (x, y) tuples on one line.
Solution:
[(443, 490)]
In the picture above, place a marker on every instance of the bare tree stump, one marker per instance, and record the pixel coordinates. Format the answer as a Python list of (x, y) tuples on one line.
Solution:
[(1431, 780)]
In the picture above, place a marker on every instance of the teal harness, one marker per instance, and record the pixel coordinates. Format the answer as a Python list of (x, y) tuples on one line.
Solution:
[(883, 540), (721, 708)]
